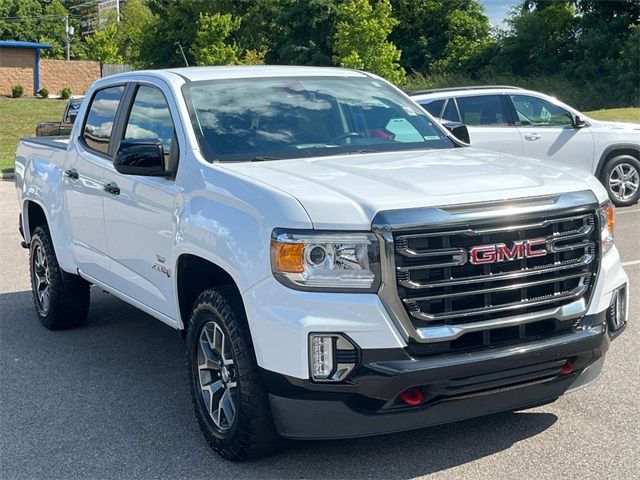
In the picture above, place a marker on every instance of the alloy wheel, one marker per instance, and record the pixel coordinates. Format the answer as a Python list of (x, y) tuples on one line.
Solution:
[(41, 278), (624, 181), (217, 376)]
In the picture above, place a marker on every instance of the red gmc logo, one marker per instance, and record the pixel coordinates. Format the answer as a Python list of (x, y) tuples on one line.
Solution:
[(499, 252)]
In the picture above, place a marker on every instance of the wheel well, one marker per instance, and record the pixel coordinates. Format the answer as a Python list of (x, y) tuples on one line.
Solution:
[(35, 217), (195, 275), (634, 152)]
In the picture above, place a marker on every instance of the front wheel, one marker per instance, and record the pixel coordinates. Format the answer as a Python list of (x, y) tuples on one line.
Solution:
[(230, 401), (621, 178)]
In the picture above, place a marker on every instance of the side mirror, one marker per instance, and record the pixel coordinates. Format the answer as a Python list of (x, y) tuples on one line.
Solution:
[(458, 130), (144, 156), (579, 122), (72, 115)]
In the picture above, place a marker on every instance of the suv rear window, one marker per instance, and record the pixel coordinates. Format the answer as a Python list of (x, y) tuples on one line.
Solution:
[(484, 110), (100, 118), (434, 107)]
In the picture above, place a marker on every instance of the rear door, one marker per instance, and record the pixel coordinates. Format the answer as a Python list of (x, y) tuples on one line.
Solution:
[(489, 121), (84, 182), (548, 133), (139, 210)]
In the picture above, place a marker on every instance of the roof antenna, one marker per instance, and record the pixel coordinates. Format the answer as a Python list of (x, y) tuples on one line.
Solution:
[(184, 57)]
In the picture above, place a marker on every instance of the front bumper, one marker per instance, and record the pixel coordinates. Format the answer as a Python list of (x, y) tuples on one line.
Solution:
[(456, 386)]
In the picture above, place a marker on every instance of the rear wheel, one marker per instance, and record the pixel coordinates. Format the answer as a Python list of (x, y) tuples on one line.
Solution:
[(61, 299), (621, 178), (230, 401)]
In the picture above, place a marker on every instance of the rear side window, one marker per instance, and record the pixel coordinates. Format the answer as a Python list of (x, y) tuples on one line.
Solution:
[(451, 112), (100, 118), (483, 110), (434, 108)]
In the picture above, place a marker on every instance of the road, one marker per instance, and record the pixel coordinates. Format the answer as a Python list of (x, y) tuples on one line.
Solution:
[(110, 400)]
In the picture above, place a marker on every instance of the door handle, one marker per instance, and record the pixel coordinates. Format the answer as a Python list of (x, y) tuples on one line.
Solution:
[(532, 137), (72, 173), (112, 188)]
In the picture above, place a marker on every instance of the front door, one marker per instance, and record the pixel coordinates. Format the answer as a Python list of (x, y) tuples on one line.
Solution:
[(139, 211), (548, 133)]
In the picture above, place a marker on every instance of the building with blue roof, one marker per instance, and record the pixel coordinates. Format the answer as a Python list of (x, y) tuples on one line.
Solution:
[(20, 65)]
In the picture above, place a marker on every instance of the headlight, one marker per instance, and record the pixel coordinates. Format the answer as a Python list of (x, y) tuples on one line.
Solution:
[(326, 261), (606, 214)]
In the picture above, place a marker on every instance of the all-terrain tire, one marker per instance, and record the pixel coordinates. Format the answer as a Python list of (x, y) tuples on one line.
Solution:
[(252, 432), (61, 299)]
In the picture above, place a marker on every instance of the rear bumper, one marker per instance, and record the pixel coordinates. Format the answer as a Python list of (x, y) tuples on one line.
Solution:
[(455, 387)]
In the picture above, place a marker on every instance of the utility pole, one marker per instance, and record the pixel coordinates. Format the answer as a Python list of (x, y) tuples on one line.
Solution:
[(68, 36)]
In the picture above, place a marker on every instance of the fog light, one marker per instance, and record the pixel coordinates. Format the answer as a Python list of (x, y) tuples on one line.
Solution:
[(331, 357), (618, 309)]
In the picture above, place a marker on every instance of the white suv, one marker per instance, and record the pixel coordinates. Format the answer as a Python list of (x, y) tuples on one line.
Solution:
[(524, 122)]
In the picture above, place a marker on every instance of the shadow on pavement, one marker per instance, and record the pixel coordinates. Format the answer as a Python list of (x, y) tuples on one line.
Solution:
[(111, 400)]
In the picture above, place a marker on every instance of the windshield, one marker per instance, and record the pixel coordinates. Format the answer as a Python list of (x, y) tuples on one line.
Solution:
[(276, 118)]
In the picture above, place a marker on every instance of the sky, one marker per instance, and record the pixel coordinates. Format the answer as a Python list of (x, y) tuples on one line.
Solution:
[(497, 10)]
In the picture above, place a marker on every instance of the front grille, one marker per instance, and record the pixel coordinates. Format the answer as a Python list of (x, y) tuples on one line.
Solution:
[(439, 287)]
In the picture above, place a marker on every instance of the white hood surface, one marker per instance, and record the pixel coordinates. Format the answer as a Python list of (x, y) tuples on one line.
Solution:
[(616, 126), (346, 191)]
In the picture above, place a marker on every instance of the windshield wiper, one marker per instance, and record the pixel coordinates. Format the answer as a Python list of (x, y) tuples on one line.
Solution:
[(264, 158), (362, 150)]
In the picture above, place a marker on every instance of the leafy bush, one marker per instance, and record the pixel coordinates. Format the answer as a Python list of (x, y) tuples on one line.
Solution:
[(43, 92), (17, 91), (65, 93)]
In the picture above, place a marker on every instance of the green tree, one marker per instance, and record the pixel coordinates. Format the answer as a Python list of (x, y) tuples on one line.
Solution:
[(436, 36), (103, 44), (137, 25), (212, 45), (360, 40)]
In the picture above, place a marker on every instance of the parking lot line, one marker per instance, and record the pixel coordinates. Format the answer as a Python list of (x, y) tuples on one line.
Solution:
[(622, 212), (632, 262)]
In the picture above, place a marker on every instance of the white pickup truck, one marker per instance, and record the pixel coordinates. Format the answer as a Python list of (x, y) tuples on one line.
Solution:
[(339, 264)]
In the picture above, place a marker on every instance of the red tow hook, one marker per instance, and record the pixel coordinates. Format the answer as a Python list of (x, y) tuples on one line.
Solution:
[(412, 396), (567, 368)]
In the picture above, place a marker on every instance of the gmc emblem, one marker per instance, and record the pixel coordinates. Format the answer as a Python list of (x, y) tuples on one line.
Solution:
[(499, 252)]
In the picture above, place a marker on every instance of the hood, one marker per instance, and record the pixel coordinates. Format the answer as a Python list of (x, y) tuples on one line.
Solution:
[(346, 191), (616, 126)]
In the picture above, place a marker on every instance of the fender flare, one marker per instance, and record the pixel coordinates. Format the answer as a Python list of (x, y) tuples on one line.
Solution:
[(612, 148)]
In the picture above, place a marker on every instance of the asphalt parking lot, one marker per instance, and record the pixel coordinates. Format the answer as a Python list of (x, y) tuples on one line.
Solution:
[(110, 400)]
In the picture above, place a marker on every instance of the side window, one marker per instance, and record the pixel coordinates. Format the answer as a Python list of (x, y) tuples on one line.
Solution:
[(482, 110), (451, 112), (150, 118), (100, 118), (434, 107), (539, 112)]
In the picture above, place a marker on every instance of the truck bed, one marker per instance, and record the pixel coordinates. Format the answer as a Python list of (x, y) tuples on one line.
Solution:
[(59, 143)]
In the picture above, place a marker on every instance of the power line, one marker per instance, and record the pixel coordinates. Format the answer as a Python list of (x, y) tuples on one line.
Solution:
[(36, 18)]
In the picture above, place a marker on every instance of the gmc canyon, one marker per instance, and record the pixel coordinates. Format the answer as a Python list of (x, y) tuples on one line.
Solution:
[(338, 263)]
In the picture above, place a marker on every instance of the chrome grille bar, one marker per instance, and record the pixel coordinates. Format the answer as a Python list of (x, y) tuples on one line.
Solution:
[(583, 261), (568, 295)]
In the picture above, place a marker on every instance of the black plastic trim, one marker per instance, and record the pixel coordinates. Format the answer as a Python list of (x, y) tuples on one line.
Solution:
[(611, 149), (462, 385)]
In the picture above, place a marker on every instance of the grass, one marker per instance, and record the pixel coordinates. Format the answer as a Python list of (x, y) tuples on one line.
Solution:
[(19, 117), (617, 115)]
